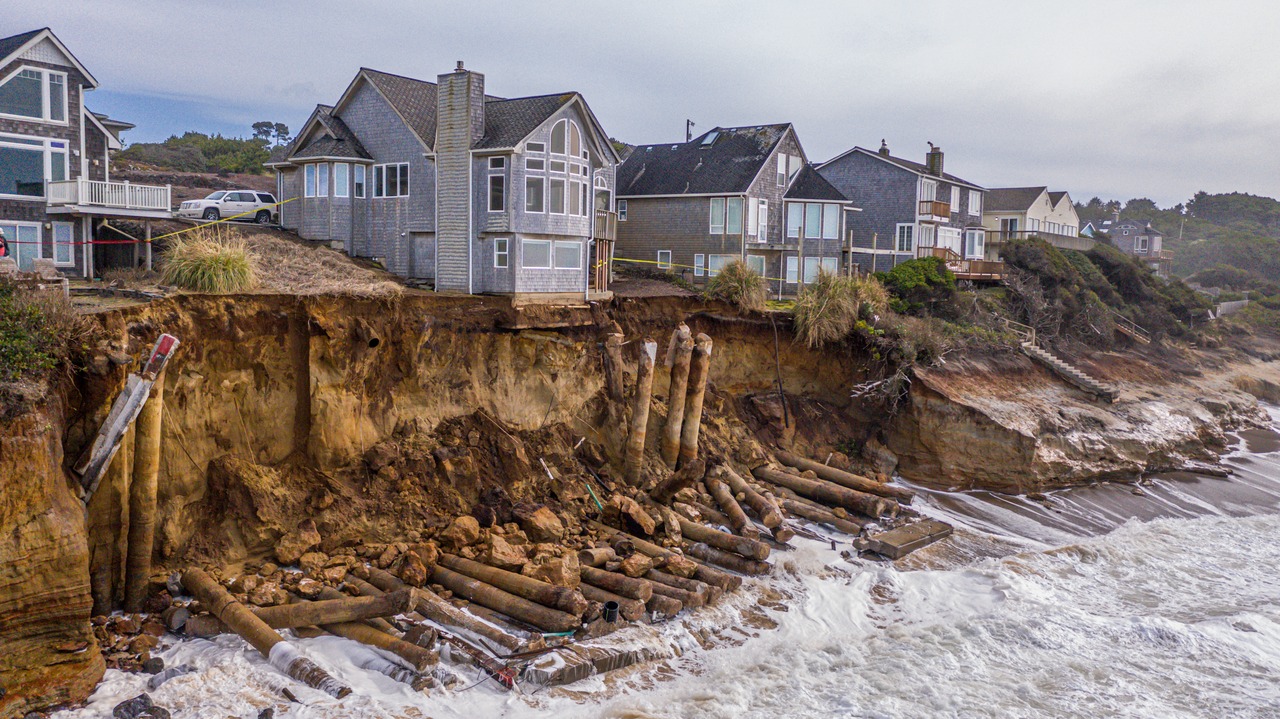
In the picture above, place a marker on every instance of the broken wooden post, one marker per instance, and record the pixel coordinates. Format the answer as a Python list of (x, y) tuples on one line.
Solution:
[(544, 618), (596, 556), (763, 507), (816, 513), (846, 479), (334, 608), (736, 518), (728, 560), (418, 657), (281, 654), (710, 575), (688, 600), (613, 373), (629, 609), (830, 494), (617, 583), (142, 498), (699, 368), (676, 396), (745, 546), (108, 512), (706, 593), (432, 607), (686, 476), (662, 605), (640, 412), (562, 598)]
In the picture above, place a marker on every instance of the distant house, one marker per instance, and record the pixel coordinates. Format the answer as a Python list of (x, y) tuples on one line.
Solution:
[(1018, 212), (909, 209), (442, 182), (731, 193), (55, 160), (1141, 240)]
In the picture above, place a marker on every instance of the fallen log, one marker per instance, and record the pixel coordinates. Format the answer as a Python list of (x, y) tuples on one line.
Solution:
[(640, 412), (688, 600), (661, 605), (331, 609), (814, 513), (631, 610), (617, 583), (687, 476), (830, 494), (701, 592), (418, 657), (846, 479), (281, 654), (764, 508), (432, 607), (596, 557), (733, 514), (728, 560), (562, 598), (747, 547), (676, 391), (699, 368), (710, 575), (544, 618)]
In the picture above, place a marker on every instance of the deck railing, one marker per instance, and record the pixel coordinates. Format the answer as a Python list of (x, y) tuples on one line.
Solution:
[(935, 208), (966, 269), (606, 225), (1065, 242), (119, 195)]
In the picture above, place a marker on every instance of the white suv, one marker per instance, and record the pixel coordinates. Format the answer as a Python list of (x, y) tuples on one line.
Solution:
[(245, 205)]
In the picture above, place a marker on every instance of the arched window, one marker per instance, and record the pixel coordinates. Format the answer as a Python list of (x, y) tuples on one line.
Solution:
[(575, 140), (560, 137)]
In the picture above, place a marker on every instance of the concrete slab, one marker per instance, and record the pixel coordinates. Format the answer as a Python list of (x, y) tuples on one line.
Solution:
[(898, 543)]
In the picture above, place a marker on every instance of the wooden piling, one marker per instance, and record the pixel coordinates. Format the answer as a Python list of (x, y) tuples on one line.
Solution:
[(745, 546), (733, 513), (640, 412), (418, 657), (631, 610), (690, 592), (699, 368), (544, 618), (333, 609), (710, 593), (617, 583), (728, 560), (142, 498), (829, 493), (708, 574), (846, 479), (430, 606), (613, 374), (676, 396), (816, 513), (662, 605), (281, 654), (687, 476), (763, 507), (596, 557), (108, 535), (548, 595)]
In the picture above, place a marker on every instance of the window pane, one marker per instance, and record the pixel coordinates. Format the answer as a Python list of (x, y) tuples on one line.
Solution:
[(557, 196), (782, 170), (404, 180), (62, 249), (756, 263), (500, 253), (715, 263), (534, 164), (309, 182), (575, 199), (340, 179), (792, 264), (813, 220), (533, 194), (830, 222), (379, 175), (22, 95), (622, 210), (568, 255), (497, 193), (359, 180), (733, 223), (830, 264), (795, 218), (497, 163), (21, 171), (717, 215), (664, 259), (537, 254), (558, 137), (575, 144), (810, 270), (57, 97), (57, 166), (699, 264), (322, 180)]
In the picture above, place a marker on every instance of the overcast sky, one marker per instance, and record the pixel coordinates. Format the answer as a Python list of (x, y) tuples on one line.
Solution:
[(1111, 98)]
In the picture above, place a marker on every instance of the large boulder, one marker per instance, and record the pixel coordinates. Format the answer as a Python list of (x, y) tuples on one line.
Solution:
[(539, 523), (464, 531), (298, 542), (499, 553)]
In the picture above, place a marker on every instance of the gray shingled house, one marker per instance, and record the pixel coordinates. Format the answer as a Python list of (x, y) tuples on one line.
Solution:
[(909, 210), (55, 162), (442, 182), (731, 193), (1142, 241)]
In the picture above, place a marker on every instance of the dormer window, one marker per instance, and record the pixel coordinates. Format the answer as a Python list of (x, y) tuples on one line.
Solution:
[(35, 93)]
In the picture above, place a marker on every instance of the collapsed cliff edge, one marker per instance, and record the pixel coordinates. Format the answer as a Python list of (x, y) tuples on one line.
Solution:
[(336, 426)]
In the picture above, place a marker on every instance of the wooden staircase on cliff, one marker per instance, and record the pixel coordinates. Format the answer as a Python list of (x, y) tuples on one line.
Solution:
[(1064, 369)]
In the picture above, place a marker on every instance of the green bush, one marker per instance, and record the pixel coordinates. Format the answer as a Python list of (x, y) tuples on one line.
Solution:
[(39, 330), (740, 286), (918, 285), (209, 260)]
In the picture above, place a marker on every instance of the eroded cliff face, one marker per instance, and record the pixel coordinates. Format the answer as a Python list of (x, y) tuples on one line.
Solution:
[(47, 651), (1005, 424)]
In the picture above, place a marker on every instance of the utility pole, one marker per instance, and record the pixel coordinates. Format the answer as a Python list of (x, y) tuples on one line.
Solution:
[(688, 130)]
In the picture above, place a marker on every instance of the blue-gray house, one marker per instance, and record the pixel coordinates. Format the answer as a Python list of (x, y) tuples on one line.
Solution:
[(441, 182), (909, 209)]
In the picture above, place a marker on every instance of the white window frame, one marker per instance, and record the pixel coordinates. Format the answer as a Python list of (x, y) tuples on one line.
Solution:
[(975, 203), (380, 180), (501, 253), (46, 96), (622, 210), (309, 180), (39, 243), (830, 221), (929, 232), (341, 179), (322, 179), (576, 249), (699, 265), (564, 196), (69, 243), (718, 206), (910, 237), (525, 244), (729, 203), (43, 145), (764, 221), (830, 265), (501, 177), (498, 162), (955, 199), (928, 190), (753, 216), (1141, 243), (538, 147), (782, 170), (978, 239), (811, 266), (794, 164), (664, 264), (359, 186), (794, 209), (715, 263), (542, 206), (753, 260), (792, 272), (813, 208)]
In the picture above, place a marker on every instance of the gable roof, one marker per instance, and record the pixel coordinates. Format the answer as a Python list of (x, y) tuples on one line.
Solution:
[(414, 100), (913, 167), (102, 122), (1056, 197), (727, 163), (337, 140), (1012, 199), (507, 122), (809, 185), (14, 45)]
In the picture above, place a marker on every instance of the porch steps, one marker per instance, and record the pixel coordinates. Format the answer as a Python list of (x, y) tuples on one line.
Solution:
[(1071, 373)]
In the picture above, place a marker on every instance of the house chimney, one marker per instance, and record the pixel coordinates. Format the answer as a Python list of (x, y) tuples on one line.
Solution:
[(459, 124), (884, 148), (933, 160), (460, 99)]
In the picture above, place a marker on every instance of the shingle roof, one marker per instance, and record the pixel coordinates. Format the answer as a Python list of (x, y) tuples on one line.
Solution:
[(916, 167), (1056, 197), (337, 141), (1012, 199), (809, 185), (507, 122), (728, 163), (415, 100), (10, 44)]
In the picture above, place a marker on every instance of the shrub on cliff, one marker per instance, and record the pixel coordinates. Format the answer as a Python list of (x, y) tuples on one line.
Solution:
[(39, 331), (740, 286), (919, 285), (209, 260), (830, 308)]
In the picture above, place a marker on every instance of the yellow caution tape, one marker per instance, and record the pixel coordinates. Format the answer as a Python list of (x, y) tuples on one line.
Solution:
[(221, 220)]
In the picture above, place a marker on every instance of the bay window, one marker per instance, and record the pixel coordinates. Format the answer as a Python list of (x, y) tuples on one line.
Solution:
[(812, 220), (322, 180), (26, 163), (309, 181), (341, 176)]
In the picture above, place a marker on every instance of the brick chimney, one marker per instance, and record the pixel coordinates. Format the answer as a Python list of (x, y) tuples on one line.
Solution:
[(884, 148), (933, 160)]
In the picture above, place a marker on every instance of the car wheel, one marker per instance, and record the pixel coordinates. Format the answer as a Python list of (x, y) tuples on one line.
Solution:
[(212, 214), (263, 217)]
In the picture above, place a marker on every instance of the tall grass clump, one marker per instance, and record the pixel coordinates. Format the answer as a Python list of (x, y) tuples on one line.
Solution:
[(740, 286), (209, 260), (829, 308)]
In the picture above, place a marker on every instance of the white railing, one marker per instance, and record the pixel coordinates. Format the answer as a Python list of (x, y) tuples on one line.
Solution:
[(123, 195)]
